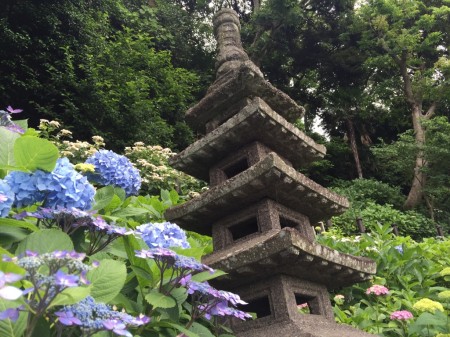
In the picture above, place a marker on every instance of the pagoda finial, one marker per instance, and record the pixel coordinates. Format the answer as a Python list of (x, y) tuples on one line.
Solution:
[(227, 31)]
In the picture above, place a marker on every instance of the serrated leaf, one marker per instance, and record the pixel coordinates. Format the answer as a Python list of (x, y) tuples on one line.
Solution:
[(70, 296), (7, 140), (103, 197), (200, 330), (45, 241), (107, 280), (180, 328), (18, 224), (159, 300), (32, 153), (129, 211)]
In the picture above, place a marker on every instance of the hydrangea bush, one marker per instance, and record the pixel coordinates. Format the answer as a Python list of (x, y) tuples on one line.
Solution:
[(410, 295), (85, 261)]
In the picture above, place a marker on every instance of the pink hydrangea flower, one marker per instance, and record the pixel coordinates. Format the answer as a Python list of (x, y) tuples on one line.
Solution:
[(377, 290), (401, 315)]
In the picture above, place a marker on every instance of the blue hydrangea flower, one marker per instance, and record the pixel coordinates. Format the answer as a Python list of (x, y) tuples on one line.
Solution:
[(6, 198), (114, 169), (24, 187), (63, 187), (163, 235)]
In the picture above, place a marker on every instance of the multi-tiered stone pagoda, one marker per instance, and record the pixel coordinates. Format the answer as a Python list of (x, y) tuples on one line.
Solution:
[(259, 208)]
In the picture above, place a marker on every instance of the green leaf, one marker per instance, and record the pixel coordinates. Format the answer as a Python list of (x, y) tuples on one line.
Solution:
[(70, 296), (32, 153), (140, 266), (42, 328), (45, 241), (200, 330), (103, 197), (129, 211), (206, 275), (9, 235), (159, 300), (115, 203), (9, 328), (107, 280), (7, 140), (180, 328), (18, 224), (179, 294), (120, 192)]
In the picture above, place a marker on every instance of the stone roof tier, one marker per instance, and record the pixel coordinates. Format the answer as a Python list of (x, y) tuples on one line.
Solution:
[(269, 178), (256, 122), (290, 253)]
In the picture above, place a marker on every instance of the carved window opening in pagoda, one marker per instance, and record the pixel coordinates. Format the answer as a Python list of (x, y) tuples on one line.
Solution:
[(260, 307), (244, 228), (236, 167), (306, 304)]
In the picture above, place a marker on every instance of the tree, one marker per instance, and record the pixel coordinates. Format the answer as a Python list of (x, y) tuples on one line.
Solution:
[(410, 38), (99, 66)]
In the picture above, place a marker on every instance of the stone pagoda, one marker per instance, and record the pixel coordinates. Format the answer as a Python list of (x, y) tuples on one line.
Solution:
[(259, 209)]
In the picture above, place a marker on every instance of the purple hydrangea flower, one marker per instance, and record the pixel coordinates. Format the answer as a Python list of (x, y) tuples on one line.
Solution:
[(92, 317), (67, 318), (164, 235), (114, 169), (208, 301), (6, 198), (66, 280), (63, 187), (11, 313), (7, 122)]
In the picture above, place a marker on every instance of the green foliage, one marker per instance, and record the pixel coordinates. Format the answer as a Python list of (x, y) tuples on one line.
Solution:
[(96, 66), (45, 241), (156, 173), (377, 203), (359, 191), (411, 271), (107, 280)]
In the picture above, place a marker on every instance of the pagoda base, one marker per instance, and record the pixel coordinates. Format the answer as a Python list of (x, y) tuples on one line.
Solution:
[(307, 326)]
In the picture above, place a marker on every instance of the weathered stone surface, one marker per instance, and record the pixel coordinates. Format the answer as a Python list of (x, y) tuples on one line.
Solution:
[(310, 326), (262, 217), (237, 78), (257, 122), (287, 252), (241, 82), (269, 178), (275, 301)]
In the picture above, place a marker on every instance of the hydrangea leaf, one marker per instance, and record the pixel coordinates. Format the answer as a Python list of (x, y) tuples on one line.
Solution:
[(200, 330), (179, 327), (107, 280), (206, 275), (129, 211), (45, 241), (159, 300), (18, 223), (70, 296), (103, 197), (7, 140), (9, 328), (32, 153)]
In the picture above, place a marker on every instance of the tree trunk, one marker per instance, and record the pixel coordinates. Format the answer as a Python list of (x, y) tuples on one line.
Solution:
[(151, 3), (352, 140), (415, 195)]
